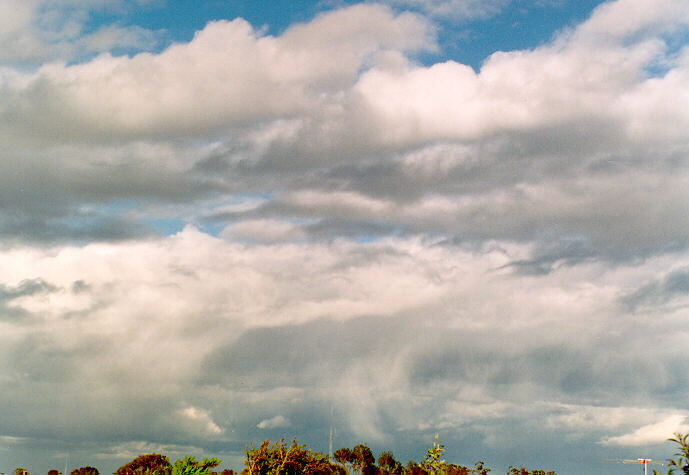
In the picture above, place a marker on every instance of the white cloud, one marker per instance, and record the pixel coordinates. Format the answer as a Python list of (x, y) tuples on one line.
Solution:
[(229, 73), (617, 20), (33, 31), (202, 418), (654, 433), (274, 423)]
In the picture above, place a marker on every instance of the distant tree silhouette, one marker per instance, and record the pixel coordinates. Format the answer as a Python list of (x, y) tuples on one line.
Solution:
[(53, 472), (149, 464), (20, 471), (85, 471), (522, 471)]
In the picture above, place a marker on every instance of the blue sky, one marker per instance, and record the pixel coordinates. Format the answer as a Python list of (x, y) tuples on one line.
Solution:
[(218, 222)]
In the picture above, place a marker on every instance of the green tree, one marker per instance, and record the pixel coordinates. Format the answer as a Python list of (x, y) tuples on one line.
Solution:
[(20, 471), (189, 466), (682, 461), (432, 461), (279, 459), (149, 464)]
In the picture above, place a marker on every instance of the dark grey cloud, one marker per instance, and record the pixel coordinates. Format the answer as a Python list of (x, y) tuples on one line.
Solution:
[(9, 310)]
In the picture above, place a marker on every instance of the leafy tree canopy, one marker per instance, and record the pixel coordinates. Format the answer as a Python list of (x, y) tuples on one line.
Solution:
[(149, 464), (279, 459), (85, 471)]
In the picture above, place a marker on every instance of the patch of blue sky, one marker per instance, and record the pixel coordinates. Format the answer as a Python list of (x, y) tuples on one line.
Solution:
[(167, 226), (521, 25), (180, 19), (676, 44)]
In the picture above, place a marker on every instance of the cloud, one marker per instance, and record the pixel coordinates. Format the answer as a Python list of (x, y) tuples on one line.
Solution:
[(186, 88), (242, 231), (274, 423), (34, 31), (673, 286), (652, 433), (202, 419), (455, 9)]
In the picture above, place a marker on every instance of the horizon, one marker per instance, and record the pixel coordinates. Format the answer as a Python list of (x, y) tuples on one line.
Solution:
[(222, 223)]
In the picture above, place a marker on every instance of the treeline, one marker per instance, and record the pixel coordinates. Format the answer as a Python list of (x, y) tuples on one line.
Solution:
[(279, 458)]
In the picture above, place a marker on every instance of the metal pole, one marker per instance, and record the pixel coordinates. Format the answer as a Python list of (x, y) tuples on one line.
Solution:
[(330, 447)]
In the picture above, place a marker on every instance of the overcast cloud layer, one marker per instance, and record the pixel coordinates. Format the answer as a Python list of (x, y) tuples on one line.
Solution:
[(217, 241)]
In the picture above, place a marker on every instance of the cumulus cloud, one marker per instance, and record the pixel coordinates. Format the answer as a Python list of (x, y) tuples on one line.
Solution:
[(273, 423), (654, 433), (229, 73), (34, 31), (242, 231)]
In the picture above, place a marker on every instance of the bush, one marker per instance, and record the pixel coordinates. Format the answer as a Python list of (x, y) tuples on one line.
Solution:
[(279, 459), (85, 471), (189, 466)]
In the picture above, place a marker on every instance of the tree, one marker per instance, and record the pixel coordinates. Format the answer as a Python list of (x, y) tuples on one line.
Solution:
[(432, 461), (53, 472), (149, 464), (364, 461), (279, 459), (682, 462), (388, 465), (85, 471), (522, 471), (20, 471), (414, 468), (189, 466), (345, 457)]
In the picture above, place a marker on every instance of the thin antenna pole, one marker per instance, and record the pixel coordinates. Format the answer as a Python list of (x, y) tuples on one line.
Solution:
[(330, 448), (66, 458)]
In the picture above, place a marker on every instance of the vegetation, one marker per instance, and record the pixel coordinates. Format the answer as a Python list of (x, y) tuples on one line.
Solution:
[(189, 466), (295, 459), (85, 471), (279, 458), (681, 463), (150, 464)]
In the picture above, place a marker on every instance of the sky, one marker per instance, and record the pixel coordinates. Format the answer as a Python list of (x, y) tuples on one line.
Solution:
[(228, 221)]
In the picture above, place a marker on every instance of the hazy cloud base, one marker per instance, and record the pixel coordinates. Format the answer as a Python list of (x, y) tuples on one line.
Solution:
[(220, 242)]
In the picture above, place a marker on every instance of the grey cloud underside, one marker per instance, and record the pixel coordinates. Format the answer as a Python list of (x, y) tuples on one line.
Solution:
[(575, 204)]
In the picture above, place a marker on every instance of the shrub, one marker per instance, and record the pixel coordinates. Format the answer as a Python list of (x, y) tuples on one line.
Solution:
[(85, 471)]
